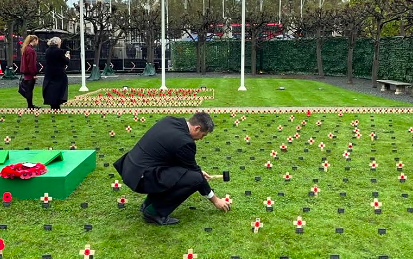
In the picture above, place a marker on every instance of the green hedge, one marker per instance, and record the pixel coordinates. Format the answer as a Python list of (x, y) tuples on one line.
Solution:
[(299, 56)]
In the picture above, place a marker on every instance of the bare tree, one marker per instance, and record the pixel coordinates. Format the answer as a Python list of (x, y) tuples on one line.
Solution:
[(319, 23), (350, 21), (146, 20), (382, 12), (258, 15), (118, 30), (196, 20), (15, 13), (98, 15)]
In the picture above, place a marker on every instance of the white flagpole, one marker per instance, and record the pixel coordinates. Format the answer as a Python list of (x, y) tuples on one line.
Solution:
[(242, 87), (82, 49), (163, 86)]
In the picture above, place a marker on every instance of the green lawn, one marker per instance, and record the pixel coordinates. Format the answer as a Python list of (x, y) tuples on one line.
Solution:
[(121, 233), (261, 92)]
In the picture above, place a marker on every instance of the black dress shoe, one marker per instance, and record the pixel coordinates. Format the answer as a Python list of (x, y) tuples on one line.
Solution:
[(159, 220), (143, 206)]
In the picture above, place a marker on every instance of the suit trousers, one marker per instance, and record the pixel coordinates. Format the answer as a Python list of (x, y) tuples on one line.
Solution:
[(167, 200)]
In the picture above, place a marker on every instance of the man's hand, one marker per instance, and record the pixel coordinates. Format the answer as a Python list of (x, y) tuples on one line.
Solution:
[(220, 203), (206, 176)]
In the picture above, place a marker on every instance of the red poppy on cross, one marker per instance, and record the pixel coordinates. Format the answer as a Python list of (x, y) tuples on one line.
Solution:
[(243, 118), (135, 118), (7, 197), (299, 222), (326, 165), (283, 147), (399, 164), (190, 254), (287, 176), (46, 198), (273, 154), (112, 133), (298, 127), (280, 128), (346, 154), (315, 190), (318, 123), (410, 129), (73, 147), (372, 136), (297, 135), (227, 199), (330, 135), (290, 139), (142, 119), (373, 165), (358, 135), (1, 119), (247, 138), (233, 115), (311, 141), (7, 140), (268, 164), (303, 123), (116, 184), (268, 202), (257, 225), (87, 252), (350, 146), (322, 146), (128, 128), (376, 204), (236, 122), (122, 199), (402, 176), (292, 118)]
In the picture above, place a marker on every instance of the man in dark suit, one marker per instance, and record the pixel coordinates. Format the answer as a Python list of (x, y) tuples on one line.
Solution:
[(162, 164)]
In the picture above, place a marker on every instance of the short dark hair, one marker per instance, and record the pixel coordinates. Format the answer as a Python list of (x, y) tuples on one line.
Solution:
[(202, 119)]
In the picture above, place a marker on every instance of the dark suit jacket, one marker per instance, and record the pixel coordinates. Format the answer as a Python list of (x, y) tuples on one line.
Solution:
[(167, 151), (55, 84)]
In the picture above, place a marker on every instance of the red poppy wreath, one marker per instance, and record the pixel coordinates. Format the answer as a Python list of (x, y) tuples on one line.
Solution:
[(23, 170)]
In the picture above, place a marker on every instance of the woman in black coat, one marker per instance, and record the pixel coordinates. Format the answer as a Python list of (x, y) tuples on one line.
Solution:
[(55, 84)]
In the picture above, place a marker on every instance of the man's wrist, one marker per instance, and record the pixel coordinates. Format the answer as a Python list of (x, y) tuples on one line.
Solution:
[(210, 195)]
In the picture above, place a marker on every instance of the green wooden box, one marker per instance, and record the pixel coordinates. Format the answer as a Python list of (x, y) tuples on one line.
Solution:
[(66, 170)]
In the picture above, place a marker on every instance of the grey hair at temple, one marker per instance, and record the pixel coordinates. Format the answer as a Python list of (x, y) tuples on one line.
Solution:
[(204, 120)]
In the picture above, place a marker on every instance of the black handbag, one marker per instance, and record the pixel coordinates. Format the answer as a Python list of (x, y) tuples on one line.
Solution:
[(22, 86)]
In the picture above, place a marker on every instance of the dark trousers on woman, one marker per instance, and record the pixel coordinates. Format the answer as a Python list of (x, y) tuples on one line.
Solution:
[(29, 92), (167, 198)]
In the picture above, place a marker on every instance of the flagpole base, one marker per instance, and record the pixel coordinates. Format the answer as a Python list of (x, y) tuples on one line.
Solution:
[(83, 88), (242, 88), (163, 88)]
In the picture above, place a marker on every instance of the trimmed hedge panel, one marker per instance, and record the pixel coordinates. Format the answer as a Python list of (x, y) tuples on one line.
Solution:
[(299, 56)]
